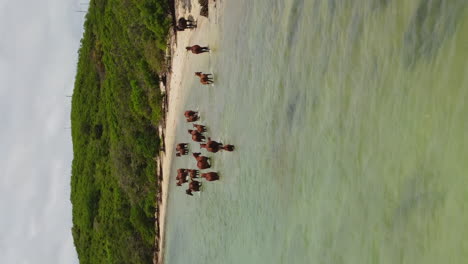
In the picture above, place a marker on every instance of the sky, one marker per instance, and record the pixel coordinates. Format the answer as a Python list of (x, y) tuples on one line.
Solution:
[(38, 58)]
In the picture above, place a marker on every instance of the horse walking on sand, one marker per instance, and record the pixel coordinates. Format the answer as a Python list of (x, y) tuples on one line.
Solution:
[(205, 78), (197, 49), (183, 24)]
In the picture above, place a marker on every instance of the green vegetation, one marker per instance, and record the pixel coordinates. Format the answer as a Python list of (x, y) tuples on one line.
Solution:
[(116, 107)]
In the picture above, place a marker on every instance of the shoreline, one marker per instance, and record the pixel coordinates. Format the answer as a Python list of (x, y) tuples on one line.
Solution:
[(172, 103)]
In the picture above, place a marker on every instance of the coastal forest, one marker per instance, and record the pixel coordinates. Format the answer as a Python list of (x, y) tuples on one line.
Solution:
[(116, 109)]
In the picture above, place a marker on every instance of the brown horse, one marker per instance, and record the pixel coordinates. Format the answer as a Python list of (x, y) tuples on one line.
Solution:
[(190, 113), (199, 157), (181, 176), (193, 119), (205, 78), (196, 49), (193, 132), (181, 149), (200, 128), (193, 174), (194, 186), (210, 176), (182, 171), (181, 146), (202, 165), (213, 146), (202, 161), (181, 181), (198, 137)]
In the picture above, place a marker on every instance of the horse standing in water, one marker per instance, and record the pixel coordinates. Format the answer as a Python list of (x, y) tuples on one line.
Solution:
[(194, 186), (213, 146), (200, 128), (181, 149), (210, 176), (193, 119), (191, 116), (205, 78), (190, 113), (196, 136), (197, 49), (181, 176), (202, 161), (193, 174)]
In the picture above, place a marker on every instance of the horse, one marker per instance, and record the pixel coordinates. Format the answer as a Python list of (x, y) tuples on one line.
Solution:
[(194, 186), (193, 174), (190, 113), (199, 157), (198, 137), (205, 78), (182, 174), (213, 146), (193, 119), (200, 128), (202, 165), (181, 146), (181, 149), (210, 176), (181, 181), (183, 24), (182, 171), (202, 161), (196, 49)]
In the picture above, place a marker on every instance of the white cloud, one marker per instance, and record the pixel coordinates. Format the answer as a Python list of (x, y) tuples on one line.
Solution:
[(38, 56)]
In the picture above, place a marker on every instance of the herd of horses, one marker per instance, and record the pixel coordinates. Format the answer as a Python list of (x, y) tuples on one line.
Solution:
[(203, 162), (197, 133)]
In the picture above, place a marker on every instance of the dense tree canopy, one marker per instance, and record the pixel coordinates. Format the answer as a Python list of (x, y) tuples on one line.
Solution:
[(116, 107)]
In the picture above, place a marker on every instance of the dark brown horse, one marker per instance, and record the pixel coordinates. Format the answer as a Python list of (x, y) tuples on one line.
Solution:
[(200, 128), (181, 149), (205, 78), (194, 186), (213, 146), (210, 176), (183, 24), (197, 49), (181, 176), (190, 113)]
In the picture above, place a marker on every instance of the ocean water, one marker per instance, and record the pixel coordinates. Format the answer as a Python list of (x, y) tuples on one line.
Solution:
[(350, 120)]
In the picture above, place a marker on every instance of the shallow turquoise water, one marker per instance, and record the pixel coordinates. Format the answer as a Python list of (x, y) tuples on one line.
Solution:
[(350, 120)]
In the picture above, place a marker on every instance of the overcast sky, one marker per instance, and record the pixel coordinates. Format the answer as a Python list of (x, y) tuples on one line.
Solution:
[(38, 57)]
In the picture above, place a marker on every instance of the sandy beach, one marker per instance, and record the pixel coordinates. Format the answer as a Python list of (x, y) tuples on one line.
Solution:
[(176, 100)]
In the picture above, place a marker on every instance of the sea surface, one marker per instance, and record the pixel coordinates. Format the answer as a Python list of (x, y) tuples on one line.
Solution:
[(350, 120)]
